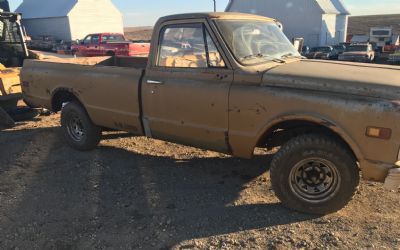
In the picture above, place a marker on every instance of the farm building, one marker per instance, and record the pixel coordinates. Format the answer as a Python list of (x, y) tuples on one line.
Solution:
[(319, 22), (70, 19)]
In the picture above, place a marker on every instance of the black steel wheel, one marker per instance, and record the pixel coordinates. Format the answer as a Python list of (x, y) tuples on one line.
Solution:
[(79, 131), (314, 174)]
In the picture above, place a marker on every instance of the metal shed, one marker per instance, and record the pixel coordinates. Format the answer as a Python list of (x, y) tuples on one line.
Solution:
[(70, 19), (319, 22)]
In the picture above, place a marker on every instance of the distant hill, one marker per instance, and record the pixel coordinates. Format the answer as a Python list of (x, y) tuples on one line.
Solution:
[(138, 33), (360, 25)]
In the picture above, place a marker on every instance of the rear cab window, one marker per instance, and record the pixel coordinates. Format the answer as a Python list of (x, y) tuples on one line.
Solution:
[(113, 38), (188, 46)]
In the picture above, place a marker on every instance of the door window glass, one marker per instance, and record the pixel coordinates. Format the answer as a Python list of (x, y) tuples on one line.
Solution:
[(88, 40), (182, 47), (95, 39)]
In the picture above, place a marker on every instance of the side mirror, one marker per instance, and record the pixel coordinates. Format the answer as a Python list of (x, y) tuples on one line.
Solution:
[(280, 25)]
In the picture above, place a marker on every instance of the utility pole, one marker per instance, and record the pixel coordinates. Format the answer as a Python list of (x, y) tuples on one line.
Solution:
[(215, 5)]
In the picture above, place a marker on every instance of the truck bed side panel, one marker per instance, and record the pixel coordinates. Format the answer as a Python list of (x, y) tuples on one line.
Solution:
[(109, 94)]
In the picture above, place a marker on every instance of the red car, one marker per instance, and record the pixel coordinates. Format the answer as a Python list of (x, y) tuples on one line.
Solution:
[(109, 44)]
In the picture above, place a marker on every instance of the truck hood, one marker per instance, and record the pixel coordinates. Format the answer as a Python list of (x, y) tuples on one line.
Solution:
[(371, 80)]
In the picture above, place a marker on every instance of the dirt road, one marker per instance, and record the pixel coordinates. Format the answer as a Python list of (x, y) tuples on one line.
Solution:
[(138, 193)]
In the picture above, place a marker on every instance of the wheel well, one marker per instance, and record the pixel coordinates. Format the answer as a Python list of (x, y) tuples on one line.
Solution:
[(110, 53), (282, 132), (61, 97)]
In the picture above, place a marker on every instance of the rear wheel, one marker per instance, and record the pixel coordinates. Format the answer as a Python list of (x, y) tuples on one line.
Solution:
[(314, 174), (79, 131)]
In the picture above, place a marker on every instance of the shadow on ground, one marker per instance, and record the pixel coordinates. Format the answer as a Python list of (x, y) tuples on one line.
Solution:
[(55, 197)]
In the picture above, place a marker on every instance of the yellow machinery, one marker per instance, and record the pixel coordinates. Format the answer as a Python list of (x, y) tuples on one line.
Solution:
[(13, 51), (10, 93)]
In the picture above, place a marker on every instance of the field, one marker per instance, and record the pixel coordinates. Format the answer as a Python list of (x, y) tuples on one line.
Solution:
[(360, 25), (139, 193), (357, 25), (139, 33)]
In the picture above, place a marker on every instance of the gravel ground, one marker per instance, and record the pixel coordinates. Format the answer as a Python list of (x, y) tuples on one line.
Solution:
[(138, 193)]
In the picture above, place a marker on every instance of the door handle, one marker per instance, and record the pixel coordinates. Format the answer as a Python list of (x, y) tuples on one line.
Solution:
[(154, 82)]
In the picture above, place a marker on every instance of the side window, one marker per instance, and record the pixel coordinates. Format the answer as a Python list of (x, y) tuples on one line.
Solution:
[(88, 40), (183, 46), (214, 57), (95, 39)]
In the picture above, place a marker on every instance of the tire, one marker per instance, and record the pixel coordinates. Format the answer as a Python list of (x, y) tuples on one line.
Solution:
[(314, 174), (78, 130)]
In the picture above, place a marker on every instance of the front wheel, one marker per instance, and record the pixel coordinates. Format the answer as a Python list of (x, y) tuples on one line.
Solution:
[(79, 131), (314, 174)]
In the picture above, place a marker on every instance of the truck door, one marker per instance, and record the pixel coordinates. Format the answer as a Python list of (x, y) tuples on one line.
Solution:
[(186, 87), (84, 48), (94, 49)]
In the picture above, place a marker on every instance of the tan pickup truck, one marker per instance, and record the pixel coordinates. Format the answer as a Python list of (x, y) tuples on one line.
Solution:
[(232, 82)]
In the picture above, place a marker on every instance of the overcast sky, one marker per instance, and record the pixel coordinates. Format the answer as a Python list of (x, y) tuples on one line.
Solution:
[(145, 12)]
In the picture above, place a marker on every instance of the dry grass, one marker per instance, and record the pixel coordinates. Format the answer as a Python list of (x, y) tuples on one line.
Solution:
[(139, 33), (360, 25)]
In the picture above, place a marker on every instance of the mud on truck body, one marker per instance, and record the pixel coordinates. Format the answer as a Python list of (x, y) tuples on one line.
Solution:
[(232, 82)]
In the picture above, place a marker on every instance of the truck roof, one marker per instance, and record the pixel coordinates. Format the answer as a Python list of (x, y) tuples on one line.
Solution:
[(217, 15)]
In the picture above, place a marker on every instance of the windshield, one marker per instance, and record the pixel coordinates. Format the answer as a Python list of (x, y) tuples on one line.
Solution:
[(254, 42), (357, 48)]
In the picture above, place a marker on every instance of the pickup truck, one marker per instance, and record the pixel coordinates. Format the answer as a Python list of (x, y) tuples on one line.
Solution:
[(109, 44), (358, 53), (395, 57), (232, 82)]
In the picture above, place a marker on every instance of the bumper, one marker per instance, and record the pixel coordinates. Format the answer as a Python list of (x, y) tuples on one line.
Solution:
[(392, 182), (376, 171), (355, 59)]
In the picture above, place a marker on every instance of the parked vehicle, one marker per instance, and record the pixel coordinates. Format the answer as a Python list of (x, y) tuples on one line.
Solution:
[(109, 44), (13, 48), (395, 57), (339, 49), (358, 53), (324, 52), (232, 82), (305, 50)]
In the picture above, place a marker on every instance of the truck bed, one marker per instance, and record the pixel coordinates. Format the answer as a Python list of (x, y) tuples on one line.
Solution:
[(108, 87)]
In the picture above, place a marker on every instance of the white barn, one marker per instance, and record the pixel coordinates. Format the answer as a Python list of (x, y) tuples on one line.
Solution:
[(70, 19), (319, 22)]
